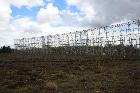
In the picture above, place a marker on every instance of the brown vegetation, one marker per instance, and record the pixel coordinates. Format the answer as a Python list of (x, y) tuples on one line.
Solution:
[(68, 74)]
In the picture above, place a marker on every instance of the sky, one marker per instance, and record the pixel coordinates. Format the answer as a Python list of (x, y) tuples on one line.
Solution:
[(30, 18)]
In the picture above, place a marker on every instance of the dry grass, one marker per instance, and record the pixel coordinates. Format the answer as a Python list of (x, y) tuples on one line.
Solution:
[(68, 74), (51, 85)]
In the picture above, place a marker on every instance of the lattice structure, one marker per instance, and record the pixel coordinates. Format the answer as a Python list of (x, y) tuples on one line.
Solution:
[(120, 40)]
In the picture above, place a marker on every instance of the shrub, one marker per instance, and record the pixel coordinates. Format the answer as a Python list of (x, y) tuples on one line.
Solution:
[(5, 49)]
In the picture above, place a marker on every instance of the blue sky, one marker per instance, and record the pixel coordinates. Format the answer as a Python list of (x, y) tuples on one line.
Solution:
[(24, 11)]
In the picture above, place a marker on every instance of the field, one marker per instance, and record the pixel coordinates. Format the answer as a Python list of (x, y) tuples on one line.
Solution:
[(68, 74)]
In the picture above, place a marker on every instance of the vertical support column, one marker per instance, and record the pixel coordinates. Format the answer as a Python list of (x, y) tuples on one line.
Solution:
[(16, 45), (43, 44), (87, 39), (93, 42), (75, 52), (138, 24)]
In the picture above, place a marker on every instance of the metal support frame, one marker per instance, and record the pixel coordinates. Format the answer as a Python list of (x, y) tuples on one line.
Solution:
[(96, 41)]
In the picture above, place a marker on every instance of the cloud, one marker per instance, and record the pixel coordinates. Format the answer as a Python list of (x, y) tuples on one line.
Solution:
[(92, 13), (51, 20), (50, 14), (5, 16), (11, 28), (55, 17), (27, 3), (26, 27), (105, 12)]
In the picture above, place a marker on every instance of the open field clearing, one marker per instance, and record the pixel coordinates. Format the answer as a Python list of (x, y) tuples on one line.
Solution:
[(68, 74)]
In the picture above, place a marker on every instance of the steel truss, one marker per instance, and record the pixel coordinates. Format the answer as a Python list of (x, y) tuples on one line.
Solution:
[(115, 40)]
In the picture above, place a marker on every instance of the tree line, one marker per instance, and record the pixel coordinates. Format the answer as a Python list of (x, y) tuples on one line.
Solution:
[(5, 49)]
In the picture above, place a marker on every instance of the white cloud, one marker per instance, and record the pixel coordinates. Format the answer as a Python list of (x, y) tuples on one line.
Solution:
[(26, 27), (49, 14), (5, 16), (27, 3), (84, 6), (104, 12), (55, 17), (49, 30), (51, 20), (9, 30), (69, 18)]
